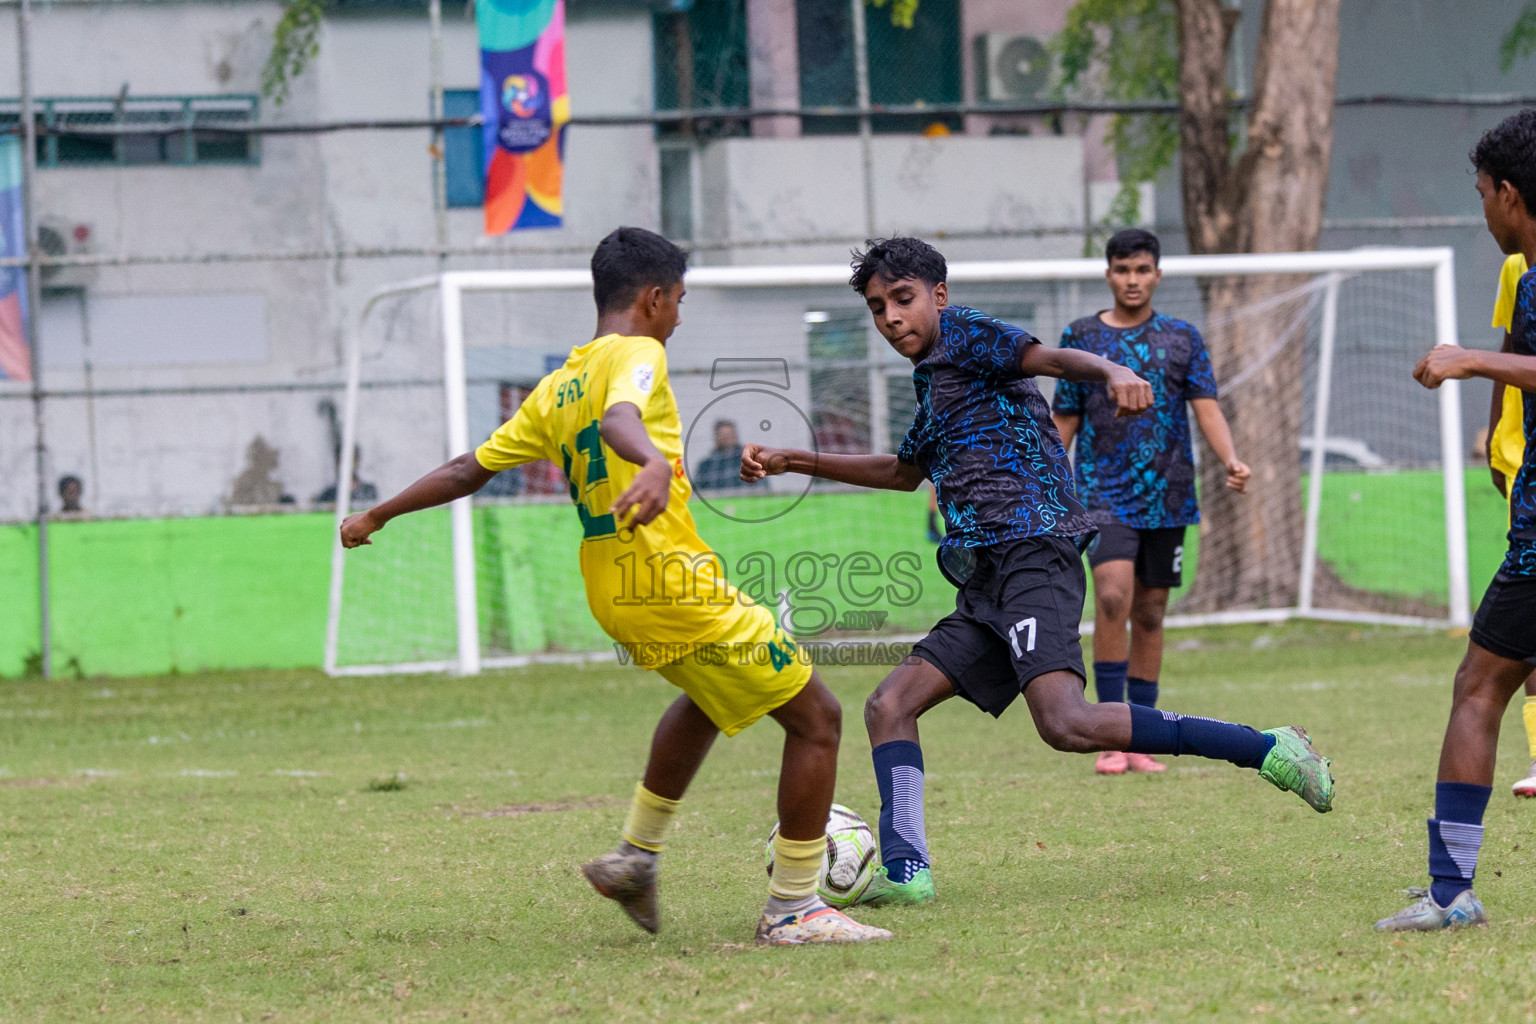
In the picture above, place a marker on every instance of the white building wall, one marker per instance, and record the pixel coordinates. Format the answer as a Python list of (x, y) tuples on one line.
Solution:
[(373, 190), (364, 189), (759, 190)]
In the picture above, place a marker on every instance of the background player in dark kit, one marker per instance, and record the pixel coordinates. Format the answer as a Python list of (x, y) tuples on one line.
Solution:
[(983, 434), (1136, 476), (1504, 629)]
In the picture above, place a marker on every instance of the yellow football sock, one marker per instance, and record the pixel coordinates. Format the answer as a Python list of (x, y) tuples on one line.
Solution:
[(1528, 712), (796, 867), (649, 816)]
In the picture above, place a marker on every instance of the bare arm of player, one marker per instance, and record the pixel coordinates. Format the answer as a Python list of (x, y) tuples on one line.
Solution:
[(624, 431), (1066, 426), (885, 472), (1451, 362), (1131, 394), (1219, 436), (454, 479)]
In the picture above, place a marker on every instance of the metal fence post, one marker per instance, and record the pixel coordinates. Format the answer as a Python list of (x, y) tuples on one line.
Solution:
[(31, 328)]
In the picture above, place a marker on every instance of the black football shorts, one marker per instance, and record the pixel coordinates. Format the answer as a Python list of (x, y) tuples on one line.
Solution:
[(1505, 623), (1158, 553), (1015, 618)]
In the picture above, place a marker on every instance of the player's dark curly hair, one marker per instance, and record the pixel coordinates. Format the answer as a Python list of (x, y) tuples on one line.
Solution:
[(896, 259), (1130, 241), (630, 259), (1507, 152)]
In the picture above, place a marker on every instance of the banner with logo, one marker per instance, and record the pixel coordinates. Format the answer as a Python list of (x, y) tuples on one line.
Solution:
[(15, 358), (525, 106)]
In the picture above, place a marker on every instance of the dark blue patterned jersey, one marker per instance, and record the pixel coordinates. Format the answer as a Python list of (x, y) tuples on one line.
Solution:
[(1521, 559), (983, 434), (1139, 470)]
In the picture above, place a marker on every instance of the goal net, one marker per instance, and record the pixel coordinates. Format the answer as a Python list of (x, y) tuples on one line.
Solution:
[(1355, 510)]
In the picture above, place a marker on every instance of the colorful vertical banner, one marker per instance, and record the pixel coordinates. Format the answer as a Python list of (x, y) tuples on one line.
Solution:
[(15, 358), (525, 106)]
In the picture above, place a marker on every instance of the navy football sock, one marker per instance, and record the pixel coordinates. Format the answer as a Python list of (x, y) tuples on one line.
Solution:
[(1455, 838), (899, 774), (1141, 691), (1109, 681), (1163, 732)]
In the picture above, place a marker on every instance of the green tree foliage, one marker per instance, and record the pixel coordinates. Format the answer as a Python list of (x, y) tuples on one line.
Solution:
[(1520, 40), (902, 11), (1126, 50), (295, 42)]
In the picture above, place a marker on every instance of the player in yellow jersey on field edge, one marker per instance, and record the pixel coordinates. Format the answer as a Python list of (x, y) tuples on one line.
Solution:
[(609, 418), (1506, 450)]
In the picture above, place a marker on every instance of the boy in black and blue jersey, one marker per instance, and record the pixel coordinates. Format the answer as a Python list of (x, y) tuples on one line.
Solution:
[(983, 435), (1136, 476), (1504, 629)]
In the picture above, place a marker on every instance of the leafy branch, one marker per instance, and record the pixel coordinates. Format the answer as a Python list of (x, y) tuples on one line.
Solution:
[(1126, 50), (295, 42), (902, 11), (1520, 40)]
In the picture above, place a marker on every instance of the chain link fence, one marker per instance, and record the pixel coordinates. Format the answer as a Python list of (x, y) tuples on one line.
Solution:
[(202, 255)]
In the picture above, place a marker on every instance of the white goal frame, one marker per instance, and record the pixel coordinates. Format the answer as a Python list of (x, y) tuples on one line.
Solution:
[(452, 286)]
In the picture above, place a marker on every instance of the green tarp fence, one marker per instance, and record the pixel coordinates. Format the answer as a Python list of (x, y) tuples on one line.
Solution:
[(134, 597)]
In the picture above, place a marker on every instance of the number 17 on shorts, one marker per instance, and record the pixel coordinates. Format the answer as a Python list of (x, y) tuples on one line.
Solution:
[(1021, 636)]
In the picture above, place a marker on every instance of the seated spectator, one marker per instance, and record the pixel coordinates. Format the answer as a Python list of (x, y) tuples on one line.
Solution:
[(364, 493), (720, 470), (70, 492)]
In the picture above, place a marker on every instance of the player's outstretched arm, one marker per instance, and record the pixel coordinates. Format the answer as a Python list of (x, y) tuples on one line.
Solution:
[(1452, 362), (454, 479), (1219, 436), (885, 472), (1131, 394), (624, 431)]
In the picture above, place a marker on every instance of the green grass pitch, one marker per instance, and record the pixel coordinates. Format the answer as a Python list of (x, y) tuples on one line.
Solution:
[(278, 846)]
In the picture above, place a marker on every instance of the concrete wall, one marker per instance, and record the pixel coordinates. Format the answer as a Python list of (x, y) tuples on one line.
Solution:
[(181, 454), (373, 189), (758, 190), (1041, 19)]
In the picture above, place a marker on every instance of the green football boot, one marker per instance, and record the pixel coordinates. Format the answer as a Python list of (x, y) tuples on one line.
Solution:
[(1292, 764), (883, 892)]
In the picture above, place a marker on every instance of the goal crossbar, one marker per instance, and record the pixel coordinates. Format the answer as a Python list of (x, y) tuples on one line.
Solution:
[(451, 286)]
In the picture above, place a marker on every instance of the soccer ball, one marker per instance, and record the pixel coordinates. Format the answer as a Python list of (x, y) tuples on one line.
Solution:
[(852, 856)]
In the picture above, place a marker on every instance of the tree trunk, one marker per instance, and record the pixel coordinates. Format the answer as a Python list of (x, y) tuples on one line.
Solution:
[(1268, 199)]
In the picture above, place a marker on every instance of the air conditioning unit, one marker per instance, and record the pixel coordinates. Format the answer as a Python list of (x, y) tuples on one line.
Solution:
[(1011, 68), (61, 237)]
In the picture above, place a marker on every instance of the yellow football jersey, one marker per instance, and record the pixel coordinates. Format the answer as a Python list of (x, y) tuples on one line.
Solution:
[(1506, 447), (657, 589)]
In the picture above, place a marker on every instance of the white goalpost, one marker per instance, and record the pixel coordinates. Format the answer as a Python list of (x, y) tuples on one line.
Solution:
[(457, 350)]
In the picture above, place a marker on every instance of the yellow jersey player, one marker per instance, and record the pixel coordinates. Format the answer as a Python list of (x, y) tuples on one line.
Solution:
[(1506, 450), (609, 418)]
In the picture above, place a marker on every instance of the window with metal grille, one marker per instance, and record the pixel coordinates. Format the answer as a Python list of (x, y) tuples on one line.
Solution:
[(141, 130), (913, 65)]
